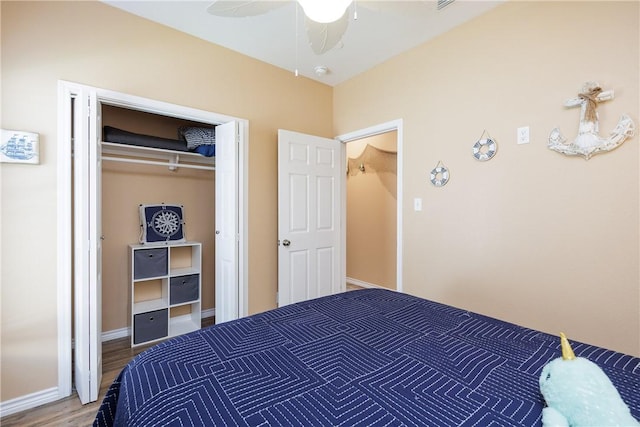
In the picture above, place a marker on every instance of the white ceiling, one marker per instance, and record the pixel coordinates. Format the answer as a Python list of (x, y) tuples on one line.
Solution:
[(383, 30)]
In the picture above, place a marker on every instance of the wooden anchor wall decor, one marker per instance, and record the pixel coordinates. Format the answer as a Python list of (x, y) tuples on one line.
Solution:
[(588, 142)]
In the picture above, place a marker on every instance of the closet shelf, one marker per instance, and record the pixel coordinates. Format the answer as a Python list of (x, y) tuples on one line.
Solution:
[(174, 159)]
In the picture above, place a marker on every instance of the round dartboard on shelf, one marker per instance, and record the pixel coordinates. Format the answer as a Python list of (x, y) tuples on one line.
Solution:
[(161, 223)]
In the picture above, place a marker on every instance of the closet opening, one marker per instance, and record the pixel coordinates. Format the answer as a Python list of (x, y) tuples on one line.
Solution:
[(372, 211), (101, 184), (372, 207), (135, 175)]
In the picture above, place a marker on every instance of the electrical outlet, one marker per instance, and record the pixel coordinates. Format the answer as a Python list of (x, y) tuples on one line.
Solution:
[(417, 204), (523, 135)]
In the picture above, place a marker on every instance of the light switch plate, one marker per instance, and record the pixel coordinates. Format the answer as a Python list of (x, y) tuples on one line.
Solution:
[(523, 135)]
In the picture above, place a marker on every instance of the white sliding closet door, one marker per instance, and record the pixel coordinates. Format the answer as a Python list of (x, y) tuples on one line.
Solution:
[(227, 231)]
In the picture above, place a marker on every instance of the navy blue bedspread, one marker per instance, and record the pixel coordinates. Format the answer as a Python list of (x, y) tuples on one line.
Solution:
[(369, 357)]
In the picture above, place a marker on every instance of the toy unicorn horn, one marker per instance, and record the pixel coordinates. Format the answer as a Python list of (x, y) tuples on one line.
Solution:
[(578, 393)]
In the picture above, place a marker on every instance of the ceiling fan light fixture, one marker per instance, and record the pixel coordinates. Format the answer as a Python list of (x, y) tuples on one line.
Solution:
[(324, 11)]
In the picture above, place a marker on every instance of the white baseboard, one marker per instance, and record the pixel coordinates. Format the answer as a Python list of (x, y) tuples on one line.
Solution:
[(116, 334), (210, 312), (51, 394), (362, 284), (29, 401)]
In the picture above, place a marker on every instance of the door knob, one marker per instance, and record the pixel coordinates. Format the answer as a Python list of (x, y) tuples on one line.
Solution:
[(286, 242)]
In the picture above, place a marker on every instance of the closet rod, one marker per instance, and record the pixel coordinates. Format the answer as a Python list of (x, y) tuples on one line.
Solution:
[(151, 162)]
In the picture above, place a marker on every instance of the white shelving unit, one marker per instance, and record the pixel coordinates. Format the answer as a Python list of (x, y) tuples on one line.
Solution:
[(166, 288)]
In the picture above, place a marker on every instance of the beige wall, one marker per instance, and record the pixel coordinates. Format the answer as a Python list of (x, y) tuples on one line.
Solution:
[(94, 44), (531, 236), (372, 213)]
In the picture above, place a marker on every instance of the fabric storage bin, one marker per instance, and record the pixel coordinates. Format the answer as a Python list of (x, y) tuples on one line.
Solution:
[(184, 288), (150, 325), (151, 262)]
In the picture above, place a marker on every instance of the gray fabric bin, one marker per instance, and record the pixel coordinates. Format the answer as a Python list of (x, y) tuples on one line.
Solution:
[(150, 326), (151, 262), (184, 288)]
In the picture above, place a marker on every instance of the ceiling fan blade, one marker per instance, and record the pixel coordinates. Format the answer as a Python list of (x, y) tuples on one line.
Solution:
[(242, 8), (323, 37)]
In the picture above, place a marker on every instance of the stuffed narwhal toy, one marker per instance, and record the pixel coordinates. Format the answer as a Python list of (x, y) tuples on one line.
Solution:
[(578, 393)]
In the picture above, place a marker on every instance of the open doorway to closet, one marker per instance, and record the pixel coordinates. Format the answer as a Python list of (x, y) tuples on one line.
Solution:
[(83, 155), (372, 207), (129, 182), (372, 211)]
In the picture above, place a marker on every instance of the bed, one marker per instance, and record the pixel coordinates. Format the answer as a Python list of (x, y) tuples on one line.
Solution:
[(370, 357)]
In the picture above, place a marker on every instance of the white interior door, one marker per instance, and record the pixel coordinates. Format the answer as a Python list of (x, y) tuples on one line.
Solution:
[(227, 232), (309, 214), (87, 248)]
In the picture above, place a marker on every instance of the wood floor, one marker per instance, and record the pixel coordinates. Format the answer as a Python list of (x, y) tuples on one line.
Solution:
[(68, 411)]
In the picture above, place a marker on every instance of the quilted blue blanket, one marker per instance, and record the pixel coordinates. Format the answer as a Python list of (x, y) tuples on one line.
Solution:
[(361, 358)]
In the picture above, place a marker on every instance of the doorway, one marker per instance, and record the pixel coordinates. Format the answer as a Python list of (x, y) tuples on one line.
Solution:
[(306, 241), (372, 211), (379, 137)]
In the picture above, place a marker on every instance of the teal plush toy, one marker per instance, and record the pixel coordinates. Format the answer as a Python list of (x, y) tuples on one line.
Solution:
[(578, 394)]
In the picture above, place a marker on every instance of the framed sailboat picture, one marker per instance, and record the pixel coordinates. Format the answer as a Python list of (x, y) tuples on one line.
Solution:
[(19, 147)]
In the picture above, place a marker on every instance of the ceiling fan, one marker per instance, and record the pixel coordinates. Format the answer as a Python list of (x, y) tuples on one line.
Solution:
[(326, 21)]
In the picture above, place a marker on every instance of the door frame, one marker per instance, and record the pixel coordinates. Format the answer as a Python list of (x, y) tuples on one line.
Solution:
[(394, 125), (66, 92)]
